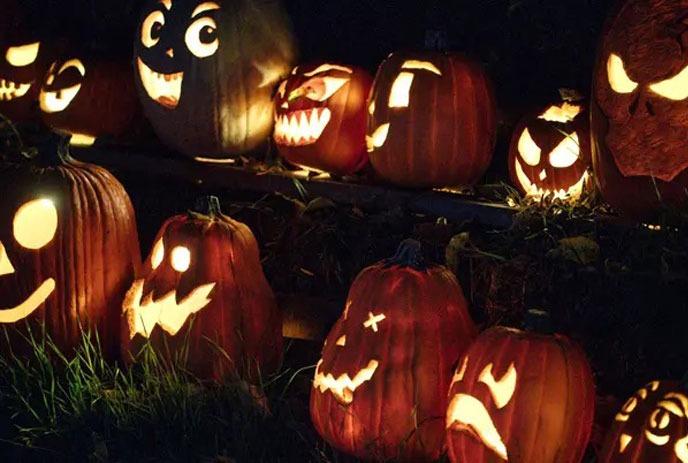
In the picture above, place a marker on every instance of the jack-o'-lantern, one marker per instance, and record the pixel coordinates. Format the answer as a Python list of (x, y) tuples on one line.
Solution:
[(520, 397), (22, 64), (640, 110), (320, 117), (206, 72), (550, 152), (432, 120), (379, 390), (203, 292), (68, 249), (651, 426), (88, 98)]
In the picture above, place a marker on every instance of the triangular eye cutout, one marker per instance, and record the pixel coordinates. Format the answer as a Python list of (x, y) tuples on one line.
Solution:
[(566, 153), (502, 389), (530, 151)]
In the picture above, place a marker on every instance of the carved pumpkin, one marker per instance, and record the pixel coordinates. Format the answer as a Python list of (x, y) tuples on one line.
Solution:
[(380, 387), (203, 291), (432, 120), (89, 98), (550, 152), (652, 426), (68, 248), (520, 397), (206, 72), (640, 115), (320, 117)]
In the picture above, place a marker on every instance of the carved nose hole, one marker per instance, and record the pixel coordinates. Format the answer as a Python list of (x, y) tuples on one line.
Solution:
[(634, 106), (650, 108), (170, 53)]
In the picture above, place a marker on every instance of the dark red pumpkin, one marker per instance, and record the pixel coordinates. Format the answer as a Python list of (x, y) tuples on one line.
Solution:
[(640, 110), (320, 117), (203, 291), (380, 388), (68, 249), (521, 397), (550, 152), (432, 120), (206, 72)]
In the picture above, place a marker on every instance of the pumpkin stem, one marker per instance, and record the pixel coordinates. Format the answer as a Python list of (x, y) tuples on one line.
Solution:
[(538, 321), (209, 205), (53, 151), (409, 254)]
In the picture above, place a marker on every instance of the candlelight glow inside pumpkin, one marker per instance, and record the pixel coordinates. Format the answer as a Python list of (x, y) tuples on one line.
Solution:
[(19, 56), (61, 86)]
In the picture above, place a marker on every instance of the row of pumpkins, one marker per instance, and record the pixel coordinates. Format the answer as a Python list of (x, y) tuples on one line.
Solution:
[(403, 372), (210, 81)]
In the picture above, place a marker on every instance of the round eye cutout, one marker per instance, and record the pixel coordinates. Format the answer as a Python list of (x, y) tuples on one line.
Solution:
[(151, 27), (530, 151), (35, 223), (201, 37), (158, 254), (181, 259), (322, 88), (618, 77), (566, 153)]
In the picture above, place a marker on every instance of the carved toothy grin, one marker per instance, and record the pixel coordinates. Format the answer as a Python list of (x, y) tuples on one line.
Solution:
[(532, 190), (143, 313), (165, 89), (343, 387), (10, 90), (301, 128), (468, 414)]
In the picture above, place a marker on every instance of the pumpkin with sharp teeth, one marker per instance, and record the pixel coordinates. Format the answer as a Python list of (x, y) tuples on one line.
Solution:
[(203, 293), (521, 397), (432, 120), (206, 72), (640, 110), (379, 390), (550, 152), (68, 250), (320, 117)]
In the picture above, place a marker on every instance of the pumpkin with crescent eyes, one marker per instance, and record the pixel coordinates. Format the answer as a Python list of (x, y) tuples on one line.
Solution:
[(320, 117), (520, 397), (432, 120), (640, 110), (206, 72), (68, 249), (203, 292), (379, 390)]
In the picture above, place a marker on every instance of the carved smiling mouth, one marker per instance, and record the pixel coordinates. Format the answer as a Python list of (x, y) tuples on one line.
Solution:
[(301, 128), (343, 387), (165, 89), (143, 313), (532, 190), (27, 307), (468, 414), (10, 90)]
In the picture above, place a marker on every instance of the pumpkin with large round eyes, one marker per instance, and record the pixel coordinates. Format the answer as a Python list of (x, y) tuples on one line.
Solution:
[(89, 97), (640, 107), (320, 117), (203, 291), (206, 72), (379, 390), (68, 250), (550, 152), (520, 397), (432, 120)]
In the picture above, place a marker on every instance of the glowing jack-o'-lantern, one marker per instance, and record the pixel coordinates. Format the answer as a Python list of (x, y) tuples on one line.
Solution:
[(89, 98), (550, 152), (379, 390), (206, 71), (520, 396), (68, 249), (203, 291), (640, 111), (320, 117), (432, 120)]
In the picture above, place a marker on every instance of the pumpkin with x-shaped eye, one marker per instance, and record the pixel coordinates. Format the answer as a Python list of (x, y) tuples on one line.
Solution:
[(203, 292), (379, 390)]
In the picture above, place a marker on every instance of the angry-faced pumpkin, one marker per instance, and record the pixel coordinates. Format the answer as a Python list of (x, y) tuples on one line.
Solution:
[(379, 390), (320, 117), (68, 249), (550, 152), (203, 292), (520, 397), (640, 111), (432, 120), (206, 72), (88, 97)]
